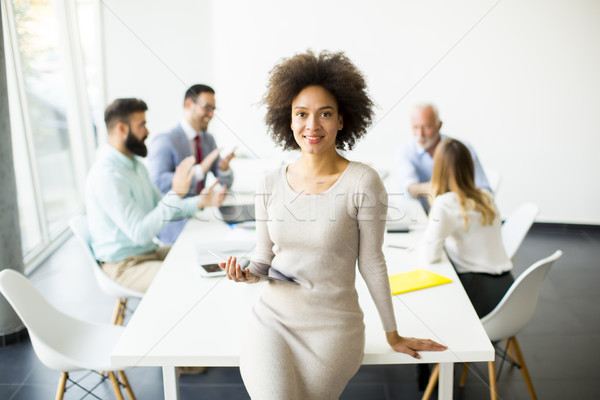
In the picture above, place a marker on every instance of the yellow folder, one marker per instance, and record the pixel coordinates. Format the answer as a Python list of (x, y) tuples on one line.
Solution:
[(415, 280)]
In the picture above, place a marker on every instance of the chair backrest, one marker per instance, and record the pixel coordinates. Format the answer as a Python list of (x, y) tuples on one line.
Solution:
[(494, 179), (80, 229), (516, 226), (516, 308), (48, 327)]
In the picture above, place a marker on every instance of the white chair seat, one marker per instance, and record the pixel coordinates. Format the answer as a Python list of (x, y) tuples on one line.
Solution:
[(61, 342), (88, 349)]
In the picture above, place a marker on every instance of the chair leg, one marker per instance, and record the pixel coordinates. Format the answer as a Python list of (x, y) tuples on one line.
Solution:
[(123, 311), (463, 376), (115, 384), (125, 381), (515, 344), (433, 380), (493, 386), (511, 354), (119, 312), (62, 382)]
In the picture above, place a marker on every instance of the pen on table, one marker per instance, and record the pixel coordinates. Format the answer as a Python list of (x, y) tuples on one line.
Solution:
[(218, 256), (396, 246)]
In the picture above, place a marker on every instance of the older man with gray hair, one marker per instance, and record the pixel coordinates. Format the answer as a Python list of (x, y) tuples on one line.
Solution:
[(415, 159)]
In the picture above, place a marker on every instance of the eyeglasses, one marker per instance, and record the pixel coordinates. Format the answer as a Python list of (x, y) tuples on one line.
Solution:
[(208, 107)]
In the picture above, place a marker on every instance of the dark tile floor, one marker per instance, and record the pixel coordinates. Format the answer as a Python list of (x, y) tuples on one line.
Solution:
[(560, 344)]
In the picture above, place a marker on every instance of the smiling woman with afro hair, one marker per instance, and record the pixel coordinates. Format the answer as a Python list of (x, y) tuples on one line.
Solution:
[(315, 218), (332, 71)]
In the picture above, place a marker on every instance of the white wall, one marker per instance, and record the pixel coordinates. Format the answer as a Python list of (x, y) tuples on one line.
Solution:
[(518, 80), (155, 50)]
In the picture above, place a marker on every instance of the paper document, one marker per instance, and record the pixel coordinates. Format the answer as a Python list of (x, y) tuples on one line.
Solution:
[(415, 280)]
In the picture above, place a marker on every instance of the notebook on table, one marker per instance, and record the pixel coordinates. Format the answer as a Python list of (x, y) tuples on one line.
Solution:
[(415, 280)]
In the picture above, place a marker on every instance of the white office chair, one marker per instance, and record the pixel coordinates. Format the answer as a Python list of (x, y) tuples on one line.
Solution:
[(507, 319), (61, 342), (494, 179), (80, 229), (516, 226)]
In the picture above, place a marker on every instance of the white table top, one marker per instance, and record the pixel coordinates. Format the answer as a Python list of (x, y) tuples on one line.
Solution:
[(189, 320)]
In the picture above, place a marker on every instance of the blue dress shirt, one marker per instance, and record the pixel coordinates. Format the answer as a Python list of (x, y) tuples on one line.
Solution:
[(125, 210)]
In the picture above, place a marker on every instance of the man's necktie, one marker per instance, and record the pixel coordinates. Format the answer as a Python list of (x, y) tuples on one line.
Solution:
[(198, 159)]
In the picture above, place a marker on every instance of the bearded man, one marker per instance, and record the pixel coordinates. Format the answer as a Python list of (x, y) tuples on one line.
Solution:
[(125, 210)]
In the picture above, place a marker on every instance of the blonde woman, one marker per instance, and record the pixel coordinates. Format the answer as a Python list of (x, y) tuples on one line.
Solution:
[(465, 220)]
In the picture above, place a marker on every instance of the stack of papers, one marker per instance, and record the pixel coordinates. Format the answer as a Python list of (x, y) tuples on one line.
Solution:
[(415, 280)]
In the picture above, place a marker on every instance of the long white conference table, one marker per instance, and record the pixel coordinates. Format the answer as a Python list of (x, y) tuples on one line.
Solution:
[(186, 319)]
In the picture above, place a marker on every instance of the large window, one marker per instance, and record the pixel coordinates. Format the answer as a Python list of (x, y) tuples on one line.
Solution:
[(52, 130), (90, 36)]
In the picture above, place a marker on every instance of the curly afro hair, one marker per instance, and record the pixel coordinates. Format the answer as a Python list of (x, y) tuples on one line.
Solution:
[(332, 71)]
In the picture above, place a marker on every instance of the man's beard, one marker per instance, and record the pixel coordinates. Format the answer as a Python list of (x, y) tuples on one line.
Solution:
[(135, 145), (430, 142)]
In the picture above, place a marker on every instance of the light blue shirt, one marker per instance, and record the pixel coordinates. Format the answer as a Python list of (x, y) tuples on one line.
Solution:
[(125, 210), (415, 165)]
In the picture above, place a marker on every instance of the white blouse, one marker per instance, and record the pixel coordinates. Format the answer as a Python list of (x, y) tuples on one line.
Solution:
[(477, 249)]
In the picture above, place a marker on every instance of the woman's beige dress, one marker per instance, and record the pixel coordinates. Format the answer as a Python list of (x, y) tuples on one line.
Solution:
[(307, 341)]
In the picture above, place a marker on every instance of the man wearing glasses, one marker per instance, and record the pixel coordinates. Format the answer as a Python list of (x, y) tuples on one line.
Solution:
[(188, 138)]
